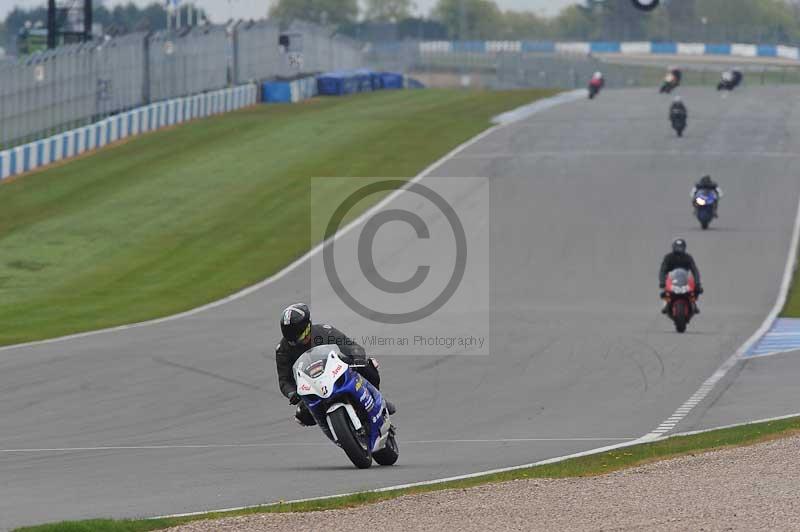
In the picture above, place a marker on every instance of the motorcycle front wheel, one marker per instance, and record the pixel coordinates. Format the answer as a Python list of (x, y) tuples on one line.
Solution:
[(680, 315), (349, 441)]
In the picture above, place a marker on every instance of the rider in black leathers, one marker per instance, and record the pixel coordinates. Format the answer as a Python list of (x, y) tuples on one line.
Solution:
[(678, 112), (679, 259), (300, 335)]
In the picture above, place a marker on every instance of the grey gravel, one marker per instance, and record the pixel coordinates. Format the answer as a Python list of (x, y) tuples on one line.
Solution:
[(748, 488)]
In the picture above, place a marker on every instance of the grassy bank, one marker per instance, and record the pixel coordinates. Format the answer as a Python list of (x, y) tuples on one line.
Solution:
[(593, 465), (181, 217), (792, 307)]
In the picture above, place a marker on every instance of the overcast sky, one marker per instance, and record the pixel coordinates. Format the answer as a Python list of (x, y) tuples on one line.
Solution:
[(221, 10)]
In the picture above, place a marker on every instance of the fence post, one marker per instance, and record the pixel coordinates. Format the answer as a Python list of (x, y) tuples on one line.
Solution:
[(235, 53), (146, 69)]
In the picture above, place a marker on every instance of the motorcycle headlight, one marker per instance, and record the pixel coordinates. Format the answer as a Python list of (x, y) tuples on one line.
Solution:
[(700, 201)]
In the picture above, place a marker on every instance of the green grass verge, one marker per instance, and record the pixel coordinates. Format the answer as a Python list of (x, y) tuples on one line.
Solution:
[(792, 307), (181, 217), (593, 465)]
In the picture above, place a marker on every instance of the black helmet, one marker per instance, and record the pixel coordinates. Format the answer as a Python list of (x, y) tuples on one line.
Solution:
[(296, 323), (679, 245), (705, 180)]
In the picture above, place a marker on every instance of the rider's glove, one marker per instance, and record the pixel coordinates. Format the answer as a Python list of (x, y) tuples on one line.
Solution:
[(294, 398), (699, 290)]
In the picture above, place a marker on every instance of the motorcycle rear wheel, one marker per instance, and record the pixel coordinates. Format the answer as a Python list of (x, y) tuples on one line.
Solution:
[(348, 440), (389, 454)]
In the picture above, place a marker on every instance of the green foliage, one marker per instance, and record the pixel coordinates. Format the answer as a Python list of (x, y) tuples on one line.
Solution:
[(121, 19), (333, 12), (388, 10), (470, 19)]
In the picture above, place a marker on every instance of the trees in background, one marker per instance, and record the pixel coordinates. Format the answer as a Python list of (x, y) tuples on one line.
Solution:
[(326, 12), (470, 19), (768, 21), (388, 10)]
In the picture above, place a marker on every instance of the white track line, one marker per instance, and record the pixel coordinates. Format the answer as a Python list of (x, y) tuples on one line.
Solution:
[(540, 105), (285, 444), (708, 385), (473, 475), (772, 354)]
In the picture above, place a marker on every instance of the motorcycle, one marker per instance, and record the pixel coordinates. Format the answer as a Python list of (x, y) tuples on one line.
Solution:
[(680, 296), (705, 202), (350, 411), (678, 123), (594, 88), (670, 83), (730, 80)]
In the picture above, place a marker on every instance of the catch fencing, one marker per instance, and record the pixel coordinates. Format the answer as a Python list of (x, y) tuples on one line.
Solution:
[(514, 64), (75, 85)]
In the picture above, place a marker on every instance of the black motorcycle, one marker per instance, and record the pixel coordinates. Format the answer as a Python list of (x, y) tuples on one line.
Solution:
[(731, 81), (678, 120)]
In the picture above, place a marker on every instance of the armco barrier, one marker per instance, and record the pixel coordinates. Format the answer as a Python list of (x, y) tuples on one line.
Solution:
[(330, 84), (69, 144), (604, 47), (350, 82), (289, 91)]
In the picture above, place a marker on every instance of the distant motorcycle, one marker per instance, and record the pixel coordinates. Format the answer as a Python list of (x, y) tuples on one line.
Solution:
[(349, 410), (596, 84), (678, 122), (671, 82), (705, 203), (667, 87), (730, 80), (680, 296)]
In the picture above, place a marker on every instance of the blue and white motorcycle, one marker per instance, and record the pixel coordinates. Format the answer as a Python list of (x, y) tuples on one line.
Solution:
[(705, 206), (348, 409)]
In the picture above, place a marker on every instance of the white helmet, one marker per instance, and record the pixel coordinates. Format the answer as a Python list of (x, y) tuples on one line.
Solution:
[(677, 99), (597, 75), (727, 76)]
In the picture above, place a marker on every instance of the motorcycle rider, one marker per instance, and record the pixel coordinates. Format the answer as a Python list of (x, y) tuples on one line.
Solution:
[(597, 80), (300, 335), (679, 259), (706, 183)]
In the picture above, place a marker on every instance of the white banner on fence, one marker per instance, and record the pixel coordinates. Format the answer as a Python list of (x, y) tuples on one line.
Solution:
[(582, 48), (745, 50), (691, 48), (635, 47)]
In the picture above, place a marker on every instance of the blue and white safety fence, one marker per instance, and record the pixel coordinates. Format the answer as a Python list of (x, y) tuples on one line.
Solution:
[(782, 337), (603, 47), (40, 153)]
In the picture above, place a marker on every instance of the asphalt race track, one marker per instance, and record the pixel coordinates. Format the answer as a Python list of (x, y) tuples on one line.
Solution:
[(585, 199)]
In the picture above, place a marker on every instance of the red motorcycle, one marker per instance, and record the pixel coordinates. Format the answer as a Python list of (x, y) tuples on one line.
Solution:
[(680, 295)]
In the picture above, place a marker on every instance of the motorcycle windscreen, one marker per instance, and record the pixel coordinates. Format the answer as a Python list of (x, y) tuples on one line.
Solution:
[(313, 361), (679, 278)]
